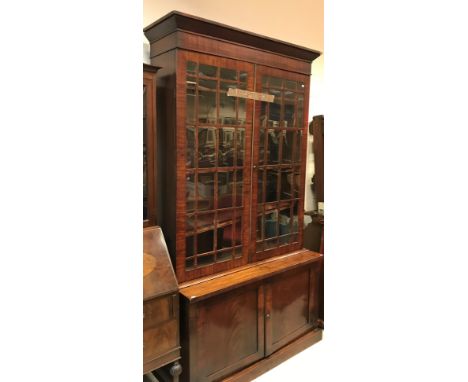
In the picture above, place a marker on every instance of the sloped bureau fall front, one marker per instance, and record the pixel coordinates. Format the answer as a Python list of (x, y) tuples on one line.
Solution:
[(232, 140)]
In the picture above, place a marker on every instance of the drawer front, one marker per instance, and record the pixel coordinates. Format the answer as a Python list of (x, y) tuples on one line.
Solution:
[(159, 310), (160, 339)]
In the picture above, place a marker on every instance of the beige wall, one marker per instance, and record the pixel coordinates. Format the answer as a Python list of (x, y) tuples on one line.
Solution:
[(296, 21)]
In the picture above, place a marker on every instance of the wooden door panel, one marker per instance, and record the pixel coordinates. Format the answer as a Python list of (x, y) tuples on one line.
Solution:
[(288, 299), (229, 333)]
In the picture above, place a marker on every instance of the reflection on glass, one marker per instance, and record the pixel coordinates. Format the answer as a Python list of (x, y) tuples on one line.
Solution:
[(207, 107), (275, 82), (238, 228), (189, 246), (190, 108), (272, 243), (205, 241), (207, 84), (205, 187), (190, 193), (260, 186), (227, 109), (288, 141), (225, 189), (240, 142), (225, 233), (285, 221), (290, 84), (297, 182), (206, 260), (238, 190), (228, 74), (205, 221), (260, 225), (286, 184), (190, 223), (271, 185), (190, 156), (261, 147), (191, 68), (271, 224), (273, 146), (225, 86), (300, 111), (275, 109), (189, 263), (208, 70), (224, 255), (238, 252), (289, 110), (298, 147), (295, 219), (241, 112), (263, 115), (226, 146), (206, 147), (243, 77)]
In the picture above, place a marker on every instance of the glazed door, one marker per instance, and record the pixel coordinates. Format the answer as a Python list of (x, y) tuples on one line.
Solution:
[(214, 138), (291, 306), (280, 143)]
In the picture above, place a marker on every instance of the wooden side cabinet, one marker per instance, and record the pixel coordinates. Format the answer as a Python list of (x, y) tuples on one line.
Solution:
[(160, 305)]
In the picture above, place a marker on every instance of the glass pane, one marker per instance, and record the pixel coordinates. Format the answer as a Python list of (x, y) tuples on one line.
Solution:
[(286, 184), (238, 188), (260, 186), (242, 112), (205, 222), (225, 86), (274, 109), (224, 256), (190, 156), (206, 260), (296, 184), (207, 84), (285, 221), (205, 191), (226, 146), (190, 223), (190, 192), (205, 242), (237, 237), (289, 109), (269, 244), (260, 222), (295, 219), (275, 82), (271, 224), (272, 182), (240, 142), (273, 146), (265, 81), (227, 109), (206, 147), (189, 263), (225, 230), (243, 77), (300, 111), (189, 246), (208, 70), (225, 189), (228, 74), (261, 148), (191, 67), (259, 247), (190, 99), (263, 114), (298, 146), (290, 84), (288, 141), (207, 107)]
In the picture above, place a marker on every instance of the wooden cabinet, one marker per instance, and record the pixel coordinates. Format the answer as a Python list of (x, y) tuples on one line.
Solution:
[(232, 128), (160, 305)]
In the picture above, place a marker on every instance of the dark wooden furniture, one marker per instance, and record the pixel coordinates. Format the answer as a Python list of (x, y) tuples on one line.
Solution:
[(160, 305), (149, 145), (232, 128)]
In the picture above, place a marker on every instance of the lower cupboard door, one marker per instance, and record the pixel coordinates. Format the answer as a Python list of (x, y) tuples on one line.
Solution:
[(229, 333), (291, 307)]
